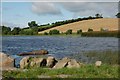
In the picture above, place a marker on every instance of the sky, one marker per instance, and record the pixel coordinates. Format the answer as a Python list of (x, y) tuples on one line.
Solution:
[(18, 13)]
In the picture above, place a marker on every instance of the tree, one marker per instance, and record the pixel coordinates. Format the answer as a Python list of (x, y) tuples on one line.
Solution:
[(54, 31), (118, 15), (45, 33), (22, 32), (79, 31), (6, 30), (32, 24), (90, 30), (90, 17), (35, 30), (98, 15), (69, 31), (16, 30)]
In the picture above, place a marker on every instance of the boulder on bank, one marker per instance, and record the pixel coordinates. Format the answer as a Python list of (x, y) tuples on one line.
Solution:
[(38, 62), (66, 62), (73, 64), (6, 61), (24, 62), (36, 52), (51, 61), (98, 63), (62, 63)]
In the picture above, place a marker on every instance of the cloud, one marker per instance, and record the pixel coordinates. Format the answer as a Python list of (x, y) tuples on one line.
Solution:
[(108, 9), (44, 8), (91, 8)]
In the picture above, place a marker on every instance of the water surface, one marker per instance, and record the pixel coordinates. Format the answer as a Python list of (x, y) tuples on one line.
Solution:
[(58, 46)]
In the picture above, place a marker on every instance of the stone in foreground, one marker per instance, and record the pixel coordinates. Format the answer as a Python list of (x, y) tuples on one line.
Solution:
[(73, 64), (24, 62), (51, 61), (98, 63), (6, 62), (62, 63), (38, 62)]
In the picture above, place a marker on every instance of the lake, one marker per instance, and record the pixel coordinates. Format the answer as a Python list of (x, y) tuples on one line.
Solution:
[(58, 46)]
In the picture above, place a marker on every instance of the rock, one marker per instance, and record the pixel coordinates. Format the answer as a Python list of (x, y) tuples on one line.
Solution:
[(38, 62), (98, 63), (25, 53), (73, 64), (51, 62), (24, 62), (44, 76), (37, 52), (6, 61), (62, 63), (40, 52), (63, 76)]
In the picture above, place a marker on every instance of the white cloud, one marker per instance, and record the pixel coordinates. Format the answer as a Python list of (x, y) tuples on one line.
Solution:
[(108, 9), (45, 8), (91, 8)]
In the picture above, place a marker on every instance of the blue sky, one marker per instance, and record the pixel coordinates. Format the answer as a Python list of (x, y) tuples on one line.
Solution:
[(18, 14)]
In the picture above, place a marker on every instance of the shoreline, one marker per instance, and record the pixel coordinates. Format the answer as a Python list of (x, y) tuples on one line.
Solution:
[(83, 34), (88, 57)]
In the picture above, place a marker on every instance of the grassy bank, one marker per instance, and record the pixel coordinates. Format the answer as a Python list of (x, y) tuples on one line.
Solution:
[(107, 57), (101, 34), (85, 71)]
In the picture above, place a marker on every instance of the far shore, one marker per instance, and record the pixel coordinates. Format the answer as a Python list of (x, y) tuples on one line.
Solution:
[(83, 34)]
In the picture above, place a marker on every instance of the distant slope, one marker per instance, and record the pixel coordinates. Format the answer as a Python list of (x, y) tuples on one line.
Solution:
[(108, 23)]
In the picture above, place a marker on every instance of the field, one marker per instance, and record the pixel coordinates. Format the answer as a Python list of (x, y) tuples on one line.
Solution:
[(106, 23)]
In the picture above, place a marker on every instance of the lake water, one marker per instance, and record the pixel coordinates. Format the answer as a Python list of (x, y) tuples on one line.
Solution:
[(58, 46)]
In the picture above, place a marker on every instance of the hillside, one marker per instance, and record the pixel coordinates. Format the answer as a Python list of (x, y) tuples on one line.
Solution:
[(107, 23)]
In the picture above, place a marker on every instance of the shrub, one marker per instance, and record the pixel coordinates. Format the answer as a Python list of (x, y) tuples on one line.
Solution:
[(69, 31), (90, 30), (54, 31), (101, 34), (103, 29), (79, 31), (45, 33)]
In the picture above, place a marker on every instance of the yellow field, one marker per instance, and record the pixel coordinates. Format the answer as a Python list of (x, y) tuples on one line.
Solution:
[(96, 24)]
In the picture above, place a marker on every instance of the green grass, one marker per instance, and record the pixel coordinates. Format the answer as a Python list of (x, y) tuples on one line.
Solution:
[(101, 34), (86, 71), (107, 57)]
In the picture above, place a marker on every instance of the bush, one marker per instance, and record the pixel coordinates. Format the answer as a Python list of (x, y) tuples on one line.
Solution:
[(54, 31), (69, 31), (103, 29), (90, 30), (79, 31), (45, 33), (101, 34)]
